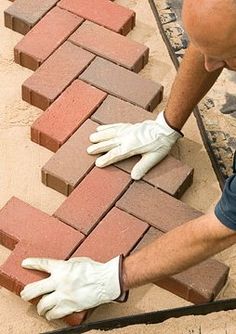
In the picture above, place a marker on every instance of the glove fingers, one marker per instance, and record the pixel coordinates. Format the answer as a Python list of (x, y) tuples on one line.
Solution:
[(100, 136), (36, 289), (102, 147), (147, 161), (114, 155), (59, 311), (47, 303), (41, 264)]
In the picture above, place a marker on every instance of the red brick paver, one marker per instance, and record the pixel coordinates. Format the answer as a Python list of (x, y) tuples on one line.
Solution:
[(199, 284), (123, 83), (20, 221), (30, 233), (24, 14), (169, 175), (53, 128), (14, 277), (70, 163), (114, 110), (190, 284), (116, 234), (93, 198), (162, 211), (112, 46), (55, 74), (45, 38), (102, 12)]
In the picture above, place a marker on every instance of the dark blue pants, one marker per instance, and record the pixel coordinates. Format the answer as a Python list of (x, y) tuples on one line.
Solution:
[(225, 209)]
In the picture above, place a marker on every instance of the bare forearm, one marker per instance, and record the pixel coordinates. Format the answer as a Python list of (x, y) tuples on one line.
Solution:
[(177, 250), (190, 86)]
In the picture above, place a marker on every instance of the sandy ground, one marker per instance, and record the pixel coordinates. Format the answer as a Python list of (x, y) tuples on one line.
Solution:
[(21, 162), (215, 323)]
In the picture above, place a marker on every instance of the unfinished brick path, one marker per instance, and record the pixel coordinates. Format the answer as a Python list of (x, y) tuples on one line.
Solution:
[(86, 73)]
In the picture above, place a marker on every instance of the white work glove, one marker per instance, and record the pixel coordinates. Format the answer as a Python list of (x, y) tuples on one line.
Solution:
[(74, 285), (152, 139)]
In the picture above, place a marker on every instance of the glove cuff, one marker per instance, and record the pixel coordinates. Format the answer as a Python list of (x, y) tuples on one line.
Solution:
[(110, 281), (162, 121), (123, 297)]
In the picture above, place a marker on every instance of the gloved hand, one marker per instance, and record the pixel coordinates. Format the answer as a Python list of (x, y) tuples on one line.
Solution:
[(152, 139), (74, 285)]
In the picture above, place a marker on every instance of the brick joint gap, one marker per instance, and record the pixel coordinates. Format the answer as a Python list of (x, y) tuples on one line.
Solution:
[(156, 187), (99, 56), (85, 174), (131, 214), (141, 237), (77, 246)]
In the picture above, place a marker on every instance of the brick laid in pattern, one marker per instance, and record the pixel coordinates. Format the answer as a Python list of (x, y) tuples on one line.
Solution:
[(116, 234), (114, 110), (170, 175), (24, 14), (45, 38), (57, 124), (93, 198), (123, 83), (20, 221), (189, 284), (32, 233), (55, 74), (70, 164), (162, 211), (105, 13), (112, 46)]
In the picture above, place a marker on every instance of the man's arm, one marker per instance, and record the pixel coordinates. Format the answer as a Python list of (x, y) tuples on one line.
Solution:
[(191, 84), (199, 239), (81, 283), (177, 250)]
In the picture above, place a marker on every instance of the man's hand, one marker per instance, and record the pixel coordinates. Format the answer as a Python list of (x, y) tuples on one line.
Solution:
[(74, 285), (152, 139)]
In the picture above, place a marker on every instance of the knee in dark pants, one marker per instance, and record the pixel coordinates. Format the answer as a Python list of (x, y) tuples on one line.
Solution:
[(234, 163)]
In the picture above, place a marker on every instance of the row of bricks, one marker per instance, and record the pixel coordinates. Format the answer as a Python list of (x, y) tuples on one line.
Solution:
[(24, 14), (59, 24), (84, 208), (21, 229), (65, 170), (70, 61)]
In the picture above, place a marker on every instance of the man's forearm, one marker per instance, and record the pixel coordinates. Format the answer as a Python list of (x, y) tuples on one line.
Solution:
[(181, 248), (191, 84)]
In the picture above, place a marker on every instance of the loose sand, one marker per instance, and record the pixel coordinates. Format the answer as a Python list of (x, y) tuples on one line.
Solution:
[(21, 161)]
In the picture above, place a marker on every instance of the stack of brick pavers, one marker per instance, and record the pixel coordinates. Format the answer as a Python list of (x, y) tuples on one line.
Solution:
[(85, 75)]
